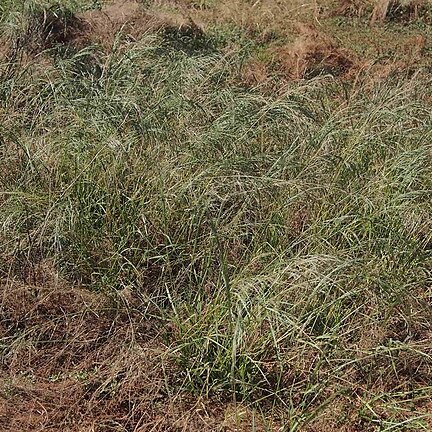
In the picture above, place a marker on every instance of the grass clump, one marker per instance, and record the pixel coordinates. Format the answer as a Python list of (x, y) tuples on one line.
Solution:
[(278, 245)]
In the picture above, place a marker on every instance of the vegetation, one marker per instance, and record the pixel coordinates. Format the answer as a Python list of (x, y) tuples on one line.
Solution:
[(195, 237)]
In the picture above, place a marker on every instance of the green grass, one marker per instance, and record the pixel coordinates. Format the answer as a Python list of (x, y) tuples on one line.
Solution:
[(285, 240)]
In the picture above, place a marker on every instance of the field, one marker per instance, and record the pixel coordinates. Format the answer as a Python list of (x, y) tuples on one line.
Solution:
[(215, 215)]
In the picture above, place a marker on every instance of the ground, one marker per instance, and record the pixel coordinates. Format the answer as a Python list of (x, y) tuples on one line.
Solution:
[(215, 215)]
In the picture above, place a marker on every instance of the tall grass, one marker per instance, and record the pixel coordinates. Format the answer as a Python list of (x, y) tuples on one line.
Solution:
[(284, 239)]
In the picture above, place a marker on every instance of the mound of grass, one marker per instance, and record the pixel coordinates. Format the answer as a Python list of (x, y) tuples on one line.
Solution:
[(279, 245)]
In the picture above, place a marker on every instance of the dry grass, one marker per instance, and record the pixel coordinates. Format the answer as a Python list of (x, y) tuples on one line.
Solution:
[(82, 361), (399, 10), (313, 54), (213, 218)]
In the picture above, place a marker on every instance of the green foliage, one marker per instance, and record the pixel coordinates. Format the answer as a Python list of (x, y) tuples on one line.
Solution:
[(273, 232)]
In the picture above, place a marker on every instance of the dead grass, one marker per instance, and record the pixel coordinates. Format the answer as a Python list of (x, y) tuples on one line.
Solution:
[(380, 11), (351, 8), (55, 27), (255, 73), (76, 360), (399, 11), (293, 50), (346, 47), (80, 361), (313, 54), (131, 19), (103, 25), (48, 28)]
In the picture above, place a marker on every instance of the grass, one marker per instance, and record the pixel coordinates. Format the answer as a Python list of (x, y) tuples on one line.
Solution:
[(275, 245)]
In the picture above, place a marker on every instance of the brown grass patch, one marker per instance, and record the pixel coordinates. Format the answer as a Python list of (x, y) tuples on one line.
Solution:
[(103, 25), (352, 8), (255, 73), (412, 50), (73, 359), (383, 10), (130, 18), (380, 11), (49, 28), (79, 361), (55, 27), (5, 48), (313, 54), (399, 11)]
